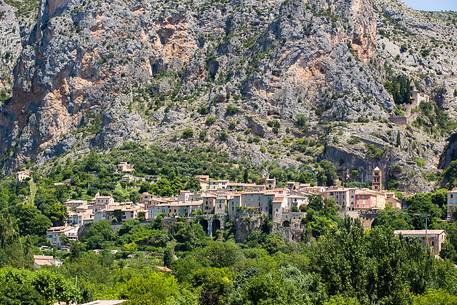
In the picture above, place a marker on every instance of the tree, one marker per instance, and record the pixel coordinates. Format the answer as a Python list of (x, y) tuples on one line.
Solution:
[(400, 88), (421, 206), (283, 286), (14, 249), (398, 140), (220, 254), (31, 221), (375, 268), (38, 288), (393, 219), (189, 236), (435, 297), (232, 109), (321, 217), (155, 289), (169, 255), (326, 173), (342, 300), (215, 284), (98, 235)]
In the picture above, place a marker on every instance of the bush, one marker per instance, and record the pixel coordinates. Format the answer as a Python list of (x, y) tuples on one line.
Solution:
[(232, 109), (301, 120), (222, 136), (400, 88), (187, 133), (210, 120), (374, 152)]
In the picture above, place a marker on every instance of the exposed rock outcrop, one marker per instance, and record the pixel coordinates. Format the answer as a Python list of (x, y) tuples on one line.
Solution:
[(97, 74)]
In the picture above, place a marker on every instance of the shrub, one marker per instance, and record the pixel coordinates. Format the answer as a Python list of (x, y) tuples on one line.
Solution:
[(301, 120), (187, 133), (222, 136), (232, 109), (210, 120), (203, 110)]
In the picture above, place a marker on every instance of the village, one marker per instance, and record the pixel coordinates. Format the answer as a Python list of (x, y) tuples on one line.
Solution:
[(220, 201)]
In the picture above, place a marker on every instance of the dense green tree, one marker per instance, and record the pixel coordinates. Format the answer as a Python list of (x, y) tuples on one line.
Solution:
[(189, 236), (400, 88), (214, 284), (326, 173), (393, 219), (156, 289), (342, 300), (220, 254), (98, 235), (321, 217), (31, 221), (376, 268), (435, 297), (169, 255), (421, 206), (42, 287), (288, 285), (14, 250)]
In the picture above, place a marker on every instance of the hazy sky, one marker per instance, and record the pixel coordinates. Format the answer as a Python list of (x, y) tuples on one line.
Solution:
[(435, 5)]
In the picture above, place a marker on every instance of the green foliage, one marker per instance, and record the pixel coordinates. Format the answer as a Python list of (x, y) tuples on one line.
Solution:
[(321, 217), (232, 109), (288, 285), (99, 235), (393, 219), (301, 121), (400, 88), (15, 250), (449, 177), (155, 289), (210, 120), (41, 287), (187, 133), (214, 284), (189, 236), (24, 7), (351, 263), (342, 300), (434, 119), (435, 297), (326, 173), (426, 205), (222, 136), (374, 152)]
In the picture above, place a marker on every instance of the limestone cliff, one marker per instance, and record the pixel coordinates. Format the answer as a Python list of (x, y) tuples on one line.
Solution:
[(285, 80)]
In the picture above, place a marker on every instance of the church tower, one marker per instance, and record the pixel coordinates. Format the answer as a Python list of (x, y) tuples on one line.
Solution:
[(377, 180)]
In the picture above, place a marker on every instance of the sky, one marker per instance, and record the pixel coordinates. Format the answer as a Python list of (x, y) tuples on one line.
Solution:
[(432, 5)]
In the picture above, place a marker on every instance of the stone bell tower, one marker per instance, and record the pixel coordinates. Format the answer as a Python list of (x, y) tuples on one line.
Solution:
[(376, 184)]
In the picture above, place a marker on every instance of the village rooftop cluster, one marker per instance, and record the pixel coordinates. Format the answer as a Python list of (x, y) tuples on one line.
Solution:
[(219, 201)]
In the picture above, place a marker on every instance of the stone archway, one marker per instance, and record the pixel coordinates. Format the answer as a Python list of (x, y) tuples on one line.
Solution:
[(216, 225), (286, 224), (204, 223)]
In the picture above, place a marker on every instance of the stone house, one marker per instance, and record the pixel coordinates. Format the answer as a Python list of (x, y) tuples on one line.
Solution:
[(366, 199), (433, 239), (344, 197), (55, 235), (21, 176), (125, 167)]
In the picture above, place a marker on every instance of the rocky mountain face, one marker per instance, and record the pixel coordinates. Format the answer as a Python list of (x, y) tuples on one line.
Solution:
[(285, 80)]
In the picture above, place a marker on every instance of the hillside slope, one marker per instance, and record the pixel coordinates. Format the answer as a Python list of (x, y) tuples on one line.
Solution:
[(292, 81)]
